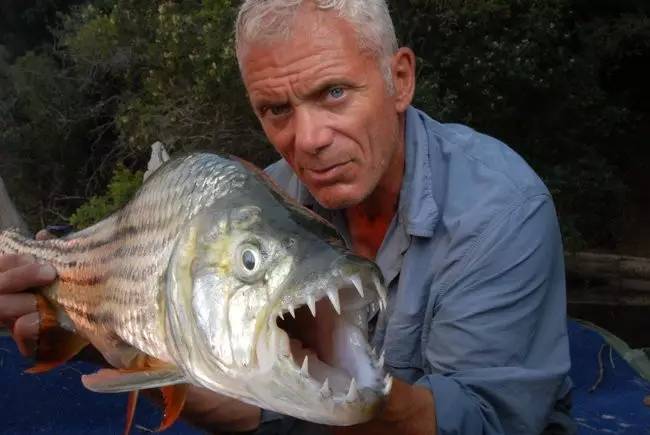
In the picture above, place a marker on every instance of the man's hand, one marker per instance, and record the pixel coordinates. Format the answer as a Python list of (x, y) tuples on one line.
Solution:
[(409, 410), (18, 309), (218, 413)]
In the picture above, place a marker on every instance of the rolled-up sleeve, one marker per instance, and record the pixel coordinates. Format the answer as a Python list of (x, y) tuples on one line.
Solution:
[(497, 346)]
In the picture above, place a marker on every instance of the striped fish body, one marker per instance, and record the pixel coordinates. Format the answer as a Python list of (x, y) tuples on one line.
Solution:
[(210, 276), (110, 275)]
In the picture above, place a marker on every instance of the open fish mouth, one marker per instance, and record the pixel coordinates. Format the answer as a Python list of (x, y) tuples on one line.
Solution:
[(319, 335)]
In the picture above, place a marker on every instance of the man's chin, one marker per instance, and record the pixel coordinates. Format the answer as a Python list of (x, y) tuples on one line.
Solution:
[(336, 198)]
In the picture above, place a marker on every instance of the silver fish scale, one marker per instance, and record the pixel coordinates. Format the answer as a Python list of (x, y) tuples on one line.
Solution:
[(117, 296)]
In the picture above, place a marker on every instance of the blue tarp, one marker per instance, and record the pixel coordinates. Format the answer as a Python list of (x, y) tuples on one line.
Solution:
[(57, 403), (615, 406)]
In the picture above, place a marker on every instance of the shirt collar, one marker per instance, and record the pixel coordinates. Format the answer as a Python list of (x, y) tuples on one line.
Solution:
[(417, 210)]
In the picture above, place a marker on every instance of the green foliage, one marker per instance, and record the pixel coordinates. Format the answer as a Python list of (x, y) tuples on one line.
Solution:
[(121, 188), (590, 185), (175, 66)]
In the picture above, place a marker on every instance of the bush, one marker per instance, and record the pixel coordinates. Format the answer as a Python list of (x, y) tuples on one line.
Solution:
[(121, 188)]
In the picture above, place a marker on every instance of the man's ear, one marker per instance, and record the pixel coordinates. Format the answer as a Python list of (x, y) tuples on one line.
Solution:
[(403, 69)]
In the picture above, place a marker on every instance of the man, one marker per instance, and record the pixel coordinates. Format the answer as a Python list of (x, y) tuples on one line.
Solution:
[(463, 230)]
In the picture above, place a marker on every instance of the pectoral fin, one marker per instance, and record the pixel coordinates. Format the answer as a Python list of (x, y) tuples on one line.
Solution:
[(133, 380), (120, 380), (55, 344)]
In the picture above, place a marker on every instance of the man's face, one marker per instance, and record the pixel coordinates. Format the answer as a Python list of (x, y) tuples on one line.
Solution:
[(324, 105)]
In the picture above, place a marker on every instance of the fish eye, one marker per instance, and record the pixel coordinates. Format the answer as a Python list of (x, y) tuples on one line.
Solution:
[(250, 259)]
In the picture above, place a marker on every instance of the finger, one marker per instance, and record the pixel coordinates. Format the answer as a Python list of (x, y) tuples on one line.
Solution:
[(25, 332), (16, 305), (12, 261), (44, 235), (24, 277)]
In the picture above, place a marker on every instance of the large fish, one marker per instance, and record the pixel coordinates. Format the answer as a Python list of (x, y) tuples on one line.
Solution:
[(210, 276)]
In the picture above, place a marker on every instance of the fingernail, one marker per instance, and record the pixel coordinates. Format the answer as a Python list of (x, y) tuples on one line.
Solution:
[(46, 272)]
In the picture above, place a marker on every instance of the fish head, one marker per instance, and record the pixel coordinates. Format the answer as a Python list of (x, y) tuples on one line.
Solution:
[(265, 304)]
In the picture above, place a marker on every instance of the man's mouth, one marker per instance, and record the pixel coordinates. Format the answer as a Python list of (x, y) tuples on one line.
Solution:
[(325, 168), (323, 174)]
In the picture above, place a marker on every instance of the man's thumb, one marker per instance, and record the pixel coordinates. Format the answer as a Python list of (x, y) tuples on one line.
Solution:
[(44, 235)]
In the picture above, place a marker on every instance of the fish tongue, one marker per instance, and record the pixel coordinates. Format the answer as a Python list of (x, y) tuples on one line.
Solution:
[(351, 350), (338, 379)]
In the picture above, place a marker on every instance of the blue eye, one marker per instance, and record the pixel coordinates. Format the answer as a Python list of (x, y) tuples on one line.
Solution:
[(336, 92), (279, 110)]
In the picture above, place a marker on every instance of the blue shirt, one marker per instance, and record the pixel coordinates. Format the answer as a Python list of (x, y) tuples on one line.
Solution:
[(474, 264)]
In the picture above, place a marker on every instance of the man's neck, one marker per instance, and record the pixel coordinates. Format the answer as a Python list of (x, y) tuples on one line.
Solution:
[(368, 221)]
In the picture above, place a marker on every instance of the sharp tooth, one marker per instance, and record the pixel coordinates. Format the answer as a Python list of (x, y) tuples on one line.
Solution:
[(325, 391), (353, 394), (304, 370), (282, 342), (312, 305), (334, 299), (381, 359), (356, 281), (281, 315), (388, 383), (381, 290), (292, 311)]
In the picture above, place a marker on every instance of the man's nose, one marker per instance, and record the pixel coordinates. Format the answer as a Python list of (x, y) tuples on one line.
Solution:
[(312, 133)]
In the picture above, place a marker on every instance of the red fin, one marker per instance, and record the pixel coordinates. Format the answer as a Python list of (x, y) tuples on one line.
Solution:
[(174, 399), (55, 344), (130, 411), (138, 364)]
